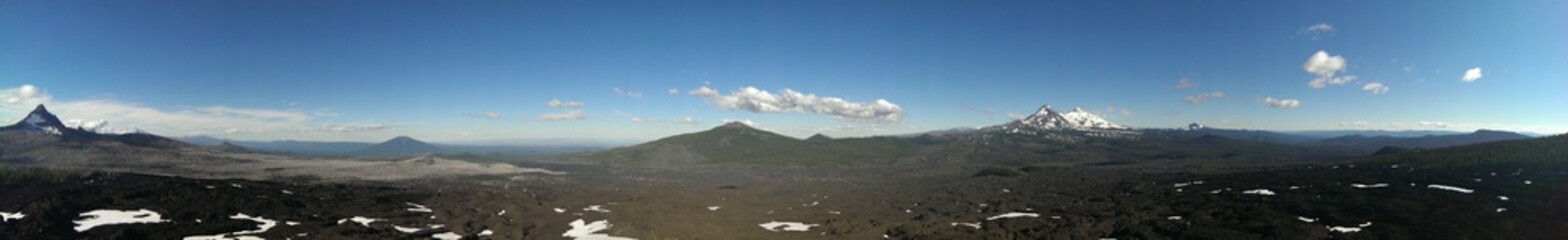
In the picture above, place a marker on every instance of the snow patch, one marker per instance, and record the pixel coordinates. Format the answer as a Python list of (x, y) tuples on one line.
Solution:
[(1012, 215), (95, 218), (1340, 229), (263, 226), (1450, 188), (417, 208), (713, 208), (486, 232), (1185, 184), (1376, 185), (447, 236), (1260, 191), (7, 216), (787, 226), (560, 210), (594, 208), (364, 221), (1306, 220), (587, 231), (975, 225)]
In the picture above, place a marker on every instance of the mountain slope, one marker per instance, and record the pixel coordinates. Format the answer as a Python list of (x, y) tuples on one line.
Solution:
[(399, 146), (1048, 118), (737, 143)]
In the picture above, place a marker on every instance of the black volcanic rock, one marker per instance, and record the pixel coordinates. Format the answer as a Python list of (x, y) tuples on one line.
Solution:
[(819, 138), (399, 146)]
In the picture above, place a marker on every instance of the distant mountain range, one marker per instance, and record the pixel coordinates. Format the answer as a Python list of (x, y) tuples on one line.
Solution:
[(1047, 134), (1044, 136)]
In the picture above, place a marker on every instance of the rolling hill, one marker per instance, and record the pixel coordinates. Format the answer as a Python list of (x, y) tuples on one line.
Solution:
[(737, 143)]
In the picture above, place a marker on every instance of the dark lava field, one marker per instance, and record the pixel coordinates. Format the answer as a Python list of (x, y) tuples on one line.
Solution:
[(1342, 201)]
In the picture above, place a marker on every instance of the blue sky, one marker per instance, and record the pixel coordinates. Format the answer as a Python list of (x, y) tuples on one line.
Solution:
[(370, 70)]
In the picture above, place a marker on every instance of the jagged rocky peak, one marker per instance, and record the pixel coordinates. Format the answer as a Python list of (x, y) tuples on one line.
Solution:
[(41, 121), (1048, 118)]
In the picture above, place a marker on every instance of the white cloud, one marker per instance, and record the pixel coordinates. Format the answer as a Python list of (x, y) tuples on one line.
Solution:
[(748, 122), (1318, 31), (492, 115), (1203, 97), (625, 93), (564, 116), (557, 103), (1471, 75), (1432, 124), (673, 91), (1321, 27), (1281, 103), (24, 96), (1186, 83), (1375, 88), (1326, 67), (759, 101)]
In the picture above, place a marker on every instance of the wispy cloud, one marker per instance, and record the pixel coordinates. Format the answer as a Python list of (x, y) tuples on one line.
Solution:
[(1327, 68), (492, 115), (1375, 88), (1281, 103), (1186, 83), (627, 93), (1203, 97), (1471, 75), (1318, 31), (564, 116), (557, 103), (759, 101)]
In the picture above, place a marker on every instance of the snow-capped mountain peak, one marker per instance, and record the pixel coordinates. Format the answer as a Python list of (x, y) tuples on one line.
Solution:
[(41, 121), (1049, 118)]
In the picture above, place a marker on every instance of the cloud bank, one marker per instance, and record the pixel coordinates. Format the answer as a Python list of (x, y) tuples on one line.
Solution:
[(788, 100), (181, 121)]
